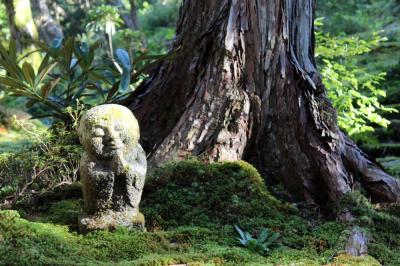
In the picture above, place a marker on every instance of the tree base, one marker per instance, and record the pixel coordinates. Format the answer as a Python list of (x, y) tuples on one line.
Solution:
[(111, 220)]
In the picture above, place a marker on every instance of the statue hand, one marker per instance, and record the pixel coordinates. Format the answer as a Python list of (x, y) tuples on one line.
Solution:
[(118, 163)]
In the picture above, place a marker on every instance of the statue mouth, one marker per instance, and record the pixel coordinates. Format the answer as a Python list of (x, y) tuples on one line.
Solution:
[(113, 147)]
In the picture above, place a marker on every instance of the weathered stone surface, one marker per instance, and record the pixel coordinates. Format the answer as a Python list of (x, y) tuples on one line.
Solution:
[(112, 169), (357, 243)]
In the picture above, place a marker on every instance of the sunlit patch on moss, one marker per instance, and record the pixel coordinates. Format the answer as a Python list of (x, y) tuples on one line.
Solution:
[(191, 209)]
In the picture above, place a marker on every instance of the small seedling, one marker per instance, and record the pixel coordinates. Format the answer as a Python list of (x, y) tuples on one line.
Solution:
[(262, 244)]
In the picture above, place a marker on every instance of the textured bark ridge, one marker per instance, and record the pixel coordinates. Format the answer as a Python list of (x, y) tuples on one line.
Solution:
[(245, 85)]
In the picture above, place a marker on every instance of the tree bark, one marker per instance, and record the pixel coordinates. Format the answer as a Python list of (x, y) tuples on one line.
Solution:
[(245, 85), (15, 33), (49, 29), (20, 22)]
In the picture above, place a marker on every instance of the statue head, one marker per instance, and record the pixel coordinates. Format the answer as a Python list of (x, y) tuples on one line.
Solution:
[(107, 129)]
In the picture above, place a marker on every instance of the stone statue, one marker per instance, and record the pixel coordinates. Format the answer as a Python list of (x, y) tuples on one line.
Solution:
[(112, 169), (357, 243)]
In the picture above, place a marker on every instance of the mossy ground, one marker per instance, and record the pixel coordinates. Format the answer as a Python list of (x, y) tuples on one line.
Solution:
[(190, 210), (391, 164)]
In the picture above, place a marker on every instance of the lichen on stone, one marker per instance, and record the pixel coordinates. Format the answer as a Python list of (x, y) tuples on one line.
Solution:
[(113, 168)]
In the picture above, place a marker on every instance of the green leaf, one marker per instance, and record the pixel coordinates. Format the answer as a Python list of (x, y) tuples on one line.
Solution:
[(3, 51), (68, 51), (82, 52), (240, 231), (47, 88), (28, 54), (31, 103), (123, 58), (274, 237), (95, 76), (90, 86), (92, 49), (263, 235), (29, 74), (12, 50), (112, 92), (109, 76), (13, 83), (44, 63), (125, 80), (79, 93), (45, 71), (11, 68), (22, 93)]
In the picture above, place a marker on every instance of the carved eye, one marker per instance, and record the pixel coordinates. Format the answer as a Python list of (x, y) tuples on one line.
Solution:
[(118, 128), (98, 132)]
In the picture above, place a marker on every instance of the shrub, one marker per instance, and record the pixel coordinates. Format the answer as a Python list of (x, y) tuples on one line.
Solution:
[(354, 91), (162, 13), (51, 159), (70, 79)]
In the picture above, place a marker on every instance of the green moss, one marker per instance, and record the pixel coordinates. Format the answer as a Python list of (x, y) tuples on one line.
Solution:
[(359, 261), (195, 193), (24, 242), (63, 212), (219, 195), (50, 244), (380, 222), (190, 209)]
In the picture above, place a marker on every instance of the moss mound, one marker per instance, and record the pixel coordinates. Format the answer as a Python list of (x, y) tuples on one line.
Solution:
[(24, 243), (194, 193), (191, 209)]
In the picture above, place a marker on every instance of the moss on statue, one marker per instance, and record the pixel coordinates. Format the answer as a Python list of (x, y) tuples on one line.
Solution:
[(112, 168)]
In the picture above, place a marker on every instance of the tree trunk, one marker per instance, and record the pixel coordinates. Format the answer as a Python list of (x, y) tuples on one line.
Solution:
[(49, 29), (20, 22), (245, 85), (133, 15)]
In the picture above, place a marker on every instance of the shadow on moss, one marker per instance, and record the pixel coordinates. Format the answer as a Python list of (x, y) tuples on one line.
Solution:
[(190, 208)]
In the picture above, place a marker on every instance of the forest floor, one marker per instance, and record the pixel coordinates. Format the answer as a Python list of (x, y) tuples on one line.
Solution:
[(191, 209)]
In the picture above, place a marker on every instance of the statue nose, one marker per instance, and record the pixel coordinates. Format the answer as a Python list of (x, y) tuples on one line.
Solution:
[(112, 136)]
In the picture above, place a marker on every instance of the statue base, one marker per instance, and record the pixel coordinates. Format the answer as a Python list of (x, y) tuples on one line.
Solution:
[(110, 221)]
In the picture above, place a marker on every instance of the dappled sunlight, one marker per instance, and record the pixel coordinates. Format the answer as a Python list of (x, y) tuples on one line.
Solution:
[(260, 132)]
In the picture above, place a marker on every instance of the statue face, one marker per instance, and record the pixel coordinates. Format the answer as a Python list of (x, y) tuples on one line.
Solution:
[(106, 130), (107, 139)]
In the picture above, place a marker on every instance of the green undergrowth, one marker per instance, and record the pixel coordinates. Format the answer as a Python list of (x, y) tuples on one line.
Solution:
[(380, 222), (391, 164), (41, 161), (382, 149), (12, 141), (191, 209)]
